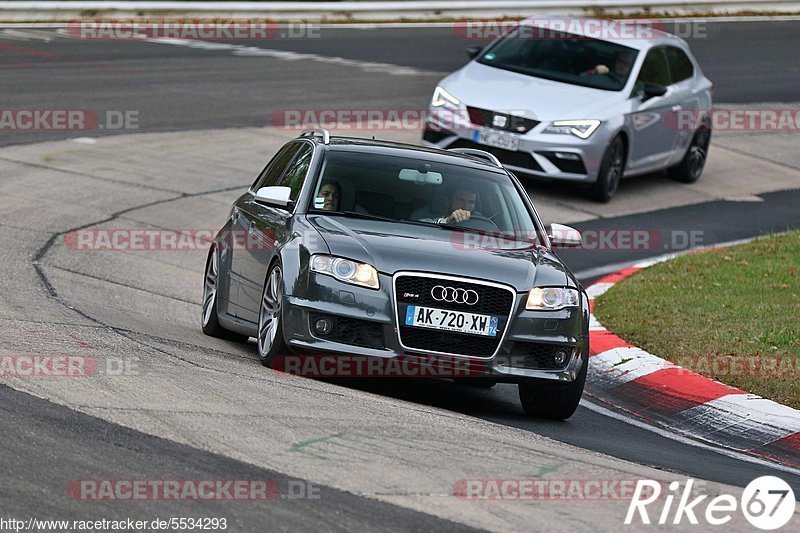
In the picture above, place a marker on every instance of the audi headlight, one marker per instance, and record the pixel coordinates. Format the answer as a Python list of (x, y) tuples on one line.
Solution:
[(551, 298), (346, 270), (579, 128), (442, 98)]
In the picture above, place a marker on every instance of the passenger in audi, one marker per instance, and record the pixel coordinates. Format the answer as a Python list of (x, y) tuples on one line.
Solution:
[(328, 196)]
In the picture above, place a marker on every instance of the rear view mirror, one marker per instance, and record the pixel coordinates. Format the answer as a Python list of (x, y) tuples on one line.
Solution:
[(564, 236), (278, 196), (421, 178)]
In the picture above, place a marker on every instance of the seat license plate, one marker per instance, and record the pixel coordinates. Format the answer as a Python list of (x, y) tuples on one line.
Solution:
[(497, 139)]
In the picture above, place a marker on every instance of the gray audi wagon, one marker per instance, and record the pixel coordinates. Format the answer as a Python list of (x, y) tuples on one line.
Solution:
[(350, 247)]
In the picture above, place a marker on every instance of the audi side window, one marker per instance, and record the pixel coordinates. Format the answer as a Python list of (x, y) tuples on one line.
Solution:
[(295, 175), (654, 68), (274, 169), (680, 66)]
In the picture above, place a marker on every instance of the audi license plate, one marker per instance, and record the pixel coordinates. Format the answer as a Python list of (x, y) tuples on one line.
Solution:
[(497, 139), (427, 317)]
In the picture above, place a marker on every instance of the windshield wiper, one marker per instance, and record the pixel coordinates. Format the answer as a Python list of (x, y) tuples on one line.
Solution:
[(356, 214), (490, 233)]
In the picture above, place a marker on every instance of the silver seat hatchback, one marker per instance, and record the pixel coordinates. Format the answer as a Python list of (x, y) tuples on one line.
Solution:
[(579, 107)]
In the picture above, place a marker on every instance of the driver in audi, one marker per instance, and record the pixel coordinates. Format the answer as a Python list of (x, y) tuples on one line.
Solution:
[(462, 203)]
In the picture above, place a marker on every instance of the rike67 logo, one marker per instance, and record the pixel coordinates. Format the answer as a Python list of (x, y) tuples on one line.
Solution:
[(767, 502)]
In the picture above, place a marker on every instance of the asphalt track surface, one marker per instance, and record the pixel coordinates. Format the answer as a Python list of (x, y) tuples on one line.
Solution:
[(179, 88)]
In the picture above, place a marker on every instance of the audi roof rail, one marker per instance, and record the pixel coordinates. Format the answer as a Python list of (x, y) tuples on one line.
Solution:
[(325, 134), (474, 152)]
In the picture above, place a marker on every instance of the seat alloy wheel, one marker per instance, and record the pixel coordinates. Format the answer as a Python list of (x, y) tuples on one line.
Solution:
[(691, 166), (611, 170)]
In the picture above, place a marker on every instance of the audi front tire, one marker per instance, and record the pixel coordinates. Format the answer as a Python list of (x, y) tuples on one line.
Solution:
[(554, 401)]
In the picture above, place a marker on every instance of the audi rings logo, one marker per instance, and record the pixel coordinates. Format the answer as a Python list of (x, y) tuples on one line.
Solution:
[(454, 296)]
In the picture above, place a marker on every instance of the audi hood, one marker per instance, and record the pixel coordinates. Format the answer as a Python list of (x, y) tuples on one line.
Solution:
[(393, 246)]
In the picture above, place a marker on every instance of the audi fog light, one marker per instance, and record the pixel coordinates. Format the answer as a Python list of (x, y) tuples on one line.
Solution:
[(551, 298), (323, 326), (346, 270)]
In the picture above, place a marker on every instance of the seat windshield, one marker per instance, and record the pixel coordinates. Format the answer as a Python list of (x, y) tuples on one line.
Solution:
[(420, 191), (563, 57)]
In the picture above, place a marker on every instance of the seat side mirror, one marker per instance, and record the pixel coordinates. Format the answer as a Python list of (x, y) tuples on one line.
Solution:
[(652, 90), (473, 50)]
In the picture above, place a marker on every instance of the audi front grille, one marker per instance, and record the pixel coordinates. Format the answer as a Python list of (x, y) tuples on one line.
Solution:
[(415, 289)]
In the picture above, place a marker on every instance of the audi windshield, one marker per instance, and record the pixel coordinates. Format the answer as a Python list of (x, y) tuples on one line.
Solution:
[(411, 190)]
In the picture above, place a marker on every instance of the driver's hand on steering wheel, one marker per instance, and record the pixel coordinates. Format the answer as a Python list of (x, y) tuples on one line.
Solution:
[(601, 69), (459, 215)]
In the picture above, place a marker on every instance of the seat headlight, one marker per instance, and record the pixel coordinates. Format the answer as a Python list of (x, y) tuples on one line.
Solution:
[(346, 270), (442, 98), (578, 128), (551, 298)]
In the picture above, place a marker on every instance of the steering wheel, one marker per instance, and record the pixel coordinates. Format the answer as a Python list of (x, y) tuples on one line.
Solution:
[(613, 76), (479, 222)]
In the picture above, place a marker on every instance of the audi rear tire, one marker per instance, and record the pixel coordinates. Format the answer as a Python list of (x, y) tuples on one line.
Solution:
[(208, 317)]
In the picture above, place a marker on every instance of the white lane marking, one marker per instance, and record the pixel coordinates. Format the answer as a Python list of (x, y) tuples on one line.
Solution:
[(27, 34), (747, 417), (253, 51), (685, 440), (621, 365), (597, 290), (595, 325)]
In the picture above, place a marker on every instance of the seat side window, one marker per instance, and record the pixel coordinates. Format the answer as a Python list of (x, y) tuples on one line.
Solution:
[(274, 170), (654, 69), (296, 174), (680, 66)]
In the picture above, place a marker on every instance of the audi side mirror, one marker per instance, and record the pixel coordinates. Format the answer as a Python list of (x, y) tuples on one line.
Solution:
[(277, 196), (564, 236)]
